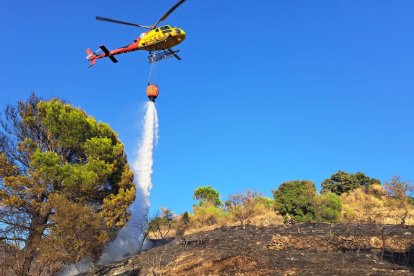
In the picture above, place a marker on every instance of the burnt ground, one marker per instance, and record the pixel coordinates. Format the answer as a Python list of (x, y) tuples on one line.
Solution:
[(301, 249)]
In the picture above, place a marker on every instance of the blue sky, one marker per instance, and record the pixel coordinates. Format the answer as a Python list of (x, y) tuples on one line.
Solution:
[(267, 91)]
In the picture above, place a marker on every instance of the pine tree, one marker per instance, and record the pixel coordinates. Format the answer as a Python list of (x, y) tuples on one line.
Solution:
[(65, 184)]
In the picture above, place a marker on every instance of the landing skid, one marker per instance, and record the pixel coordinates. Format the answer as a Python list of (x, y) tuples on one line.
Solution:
[(155, 56)]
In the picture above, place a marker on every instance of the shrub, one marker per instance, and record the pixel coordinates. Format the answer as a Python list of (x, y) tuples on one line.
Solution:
[(186, 218), (359, 206), (377, 190), (411, 201), (182, 224), (398, 198), (295, 198), (208, 214), (348, 215), (266, 202), (328, 207), (242, 206), (161, 225), (342, 182), (207, 195)]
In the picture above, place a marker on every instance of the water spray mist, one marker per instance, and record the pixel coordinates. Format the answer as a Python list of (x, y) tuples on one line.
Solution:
[(127, 240)]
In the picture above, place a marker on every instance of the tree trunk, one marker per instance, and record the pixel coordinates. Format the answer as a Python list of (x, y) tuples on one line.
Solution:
[(404, 216), (29, 255), (37, 227)]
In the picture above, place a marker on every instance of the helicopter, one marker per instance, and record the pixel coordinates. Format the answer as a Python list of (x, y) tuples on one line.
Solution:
[(158, 41)]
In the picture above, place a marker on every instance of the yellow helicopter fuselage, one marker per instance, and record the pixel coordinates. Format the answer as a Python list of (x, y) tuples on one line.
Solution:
[(161, 38)]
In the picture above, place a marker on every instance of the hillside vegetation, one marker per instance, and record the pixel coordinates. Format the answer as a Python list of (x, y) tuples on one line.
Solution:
[(349, 199), (365, 228)]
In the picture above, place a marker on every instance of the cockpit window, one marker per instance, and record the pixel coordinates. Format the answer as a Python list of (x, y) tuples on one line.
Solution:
[(165, 28)]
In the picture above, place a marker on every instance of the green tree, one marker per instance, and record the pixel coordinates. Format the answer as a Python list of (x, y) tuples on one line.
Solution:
[(207, 195), (328, 207), (342, 182), (295, 198), (64, 182)]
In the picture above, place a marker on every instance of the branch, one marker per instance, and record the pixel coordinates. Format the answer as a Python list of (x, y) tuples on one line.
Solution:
[(14, 224), (12, 239)]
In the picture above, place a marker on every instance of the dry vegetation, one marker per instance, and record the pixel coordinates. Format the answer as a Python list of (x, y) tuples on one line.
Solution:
[(361, 206), (374, 206), (358, 206)]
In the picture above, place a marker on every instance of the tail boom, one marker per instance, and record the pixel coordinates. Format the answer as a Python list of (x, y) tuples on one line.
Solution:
[(92, 56)]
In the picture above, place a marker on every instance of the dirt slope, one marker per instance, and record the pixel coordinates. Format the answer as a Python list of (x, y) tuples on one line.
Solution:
[(302, 249)]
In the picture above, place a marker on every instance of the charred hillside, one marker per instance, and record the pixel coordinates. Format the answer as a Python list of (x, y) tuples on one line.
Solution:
[(301, 249)]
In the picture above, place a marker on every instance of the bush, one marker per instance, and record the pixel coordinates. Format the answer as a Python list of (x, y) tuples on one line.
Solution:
[(186, 218), (182, 224), (265, 202), (242, 206), (349, 215), (328, 207), (208, 214), (342, 182), (360, 206), (296, 198), (411, 201), (207, 195), (377, 190), (397, 191), (161, 225)]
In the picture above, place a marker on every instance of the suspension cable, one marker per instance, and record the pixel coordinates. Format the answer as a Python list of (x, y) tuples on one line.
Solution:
[(152, 76)]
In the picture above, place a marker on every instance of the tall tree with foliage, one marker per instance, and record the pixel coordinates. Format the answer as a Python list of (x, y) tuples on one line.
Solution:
[(342, 182), (207, 195), (296, 199), (65, 184)]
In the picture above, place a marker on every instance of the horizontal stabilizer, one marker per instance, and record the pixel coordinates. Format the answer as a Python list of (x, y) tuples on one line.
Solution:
[(114, 60), (108, 54)]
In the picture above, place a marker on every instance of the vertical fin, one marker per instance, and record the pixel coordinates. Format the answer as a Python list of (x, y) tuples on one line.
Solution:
[(91, 57)]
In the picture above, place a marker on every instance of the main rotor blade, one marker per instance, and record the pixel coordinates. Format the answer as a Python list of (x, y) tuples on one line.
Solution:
[(121, 22), (168, 13)]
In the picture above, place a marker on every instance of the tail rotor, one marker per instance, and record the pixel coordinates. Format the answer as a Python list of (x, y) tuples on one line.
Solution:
[(91, 57)]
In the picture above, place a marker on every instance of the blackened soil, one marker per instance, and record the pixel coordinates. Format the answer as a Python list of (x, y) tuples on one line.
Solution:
[(301, 249)]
